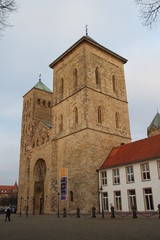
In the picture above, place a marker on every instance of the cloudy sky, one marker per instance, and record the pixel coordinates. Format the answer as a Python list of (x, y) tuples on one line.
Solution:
[(45, 29)]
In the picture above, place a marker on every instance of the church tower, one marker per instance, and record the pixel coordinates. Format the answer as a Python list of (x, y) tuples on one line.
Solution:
[(89, 116), (154, 127), (67, 134), (35, 132)]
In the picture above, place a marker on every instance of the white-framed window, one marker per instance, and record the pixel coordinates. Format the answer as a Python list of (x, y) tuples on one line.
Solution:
[(148, 199), (132, 198), (129, 174), (104, 178), (116, 176), (1, 190), (158, 168), (117, 200), (105, 201), (145, 172)]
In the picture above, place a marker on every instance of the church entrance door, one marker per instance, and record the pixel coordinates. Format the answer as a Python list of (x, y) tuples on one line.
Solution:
[(39, 177)]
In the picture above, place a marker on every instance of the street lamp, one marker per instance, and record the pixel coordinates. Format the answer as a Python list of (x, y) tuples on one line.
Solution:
[(20, 212), (58, 205), (101, 193)]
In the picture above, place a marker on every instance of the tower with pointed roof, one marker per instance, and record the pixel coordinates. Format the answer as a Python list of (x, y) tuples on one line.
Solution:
[(154, 127), (89, 116), (35, 131)]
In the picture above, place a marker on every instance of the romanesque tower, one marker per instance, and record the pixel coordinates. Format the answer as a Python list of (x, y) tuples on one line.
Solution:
[(71, 130), (36, 125), (89, 116), (154, 127)]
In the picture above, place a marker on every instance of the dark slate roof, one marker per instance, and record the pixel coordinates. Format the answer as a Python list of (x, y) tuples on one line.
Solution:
[(42, 87), (142, 150), (48, 124), (92, 42), (155, 123)]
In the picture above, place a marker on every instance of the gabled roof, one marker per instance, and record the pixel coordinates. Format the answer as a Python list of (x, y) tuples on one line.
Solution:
[(141, 150), (155, 123), (92, 42), (8, 189), (40, 85)]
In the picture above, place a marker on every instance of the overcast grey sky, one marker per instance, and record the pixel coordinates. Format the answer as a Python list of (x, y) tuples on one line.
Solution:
[(45, 29)]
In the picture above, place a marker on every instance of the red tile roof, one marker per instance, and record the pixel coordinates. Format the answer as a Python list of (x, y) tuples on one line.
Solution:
[(141, 150), (8, 189)]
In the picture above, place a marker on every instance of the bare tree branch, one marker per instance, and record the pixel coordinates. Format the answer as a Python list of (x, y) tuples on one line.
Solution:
[(149, 11), (6, 8)]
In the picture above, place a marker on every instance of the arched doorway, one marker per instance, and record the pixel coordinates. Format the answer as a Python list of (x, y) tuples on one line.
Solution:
[(39, 177)]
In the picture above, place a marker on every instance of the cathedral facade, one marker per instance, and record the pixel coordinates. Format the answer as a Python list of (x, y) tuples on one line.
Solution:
[(66, 134)]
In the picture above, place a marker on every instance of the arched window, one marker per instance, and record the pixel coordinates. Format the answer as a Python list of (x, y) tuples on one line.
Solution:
[(114, 83), (49, 104), (75, 77), (99, 115), (117, 119), (61, 123), (38, 101), (44, 103), (97, 75), (71, 196), (62, 85), (76, 115)]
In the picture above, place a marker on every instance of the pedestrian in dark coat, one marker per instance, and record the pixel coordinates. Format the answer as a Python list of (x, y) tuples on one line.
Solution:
[(8, 213)]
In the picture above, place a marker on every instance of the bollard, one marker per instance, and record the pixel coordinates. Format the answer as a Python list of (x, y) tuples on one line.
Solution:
[(159, 210), (134, 211), (78, 212), (112, 212), (64, 212), (93, 212)]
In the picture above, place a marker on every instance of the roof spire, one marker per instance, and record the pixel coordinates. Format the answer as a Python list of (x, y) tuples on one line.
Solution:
[(39, 77), (86, 30)]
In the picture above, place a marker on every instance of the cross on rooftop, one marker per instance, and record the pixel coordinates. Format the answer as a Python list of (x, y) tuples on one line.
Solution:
[(86, 30), (40, 77)]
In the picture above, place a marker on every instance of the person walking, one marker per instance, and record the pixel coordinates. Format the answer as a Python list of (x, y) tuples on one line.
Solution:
[(8, 213)]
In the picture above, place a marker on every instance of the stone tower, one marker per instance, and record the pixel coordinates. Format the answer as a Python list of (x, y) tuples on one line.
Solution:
[(89, 117), (154, 127), (36, 125)]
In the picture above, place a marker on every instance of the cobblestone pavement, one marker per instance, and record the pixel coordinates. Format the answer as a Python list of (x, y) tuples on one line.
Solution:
[(47, 227)]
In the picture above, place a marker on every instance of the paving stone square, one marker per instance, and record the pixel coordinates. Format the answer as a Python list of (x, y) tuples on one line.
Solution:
[(84, 228)]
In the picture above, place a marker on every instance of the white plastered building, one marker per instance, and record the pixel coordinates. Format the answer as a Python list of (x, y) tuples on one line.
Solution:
[(130, 175)]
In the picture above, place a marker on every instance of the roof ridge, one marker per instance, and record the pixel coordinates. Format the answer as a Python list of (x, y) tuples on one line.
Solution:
[(91, 41), (143, 149)]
